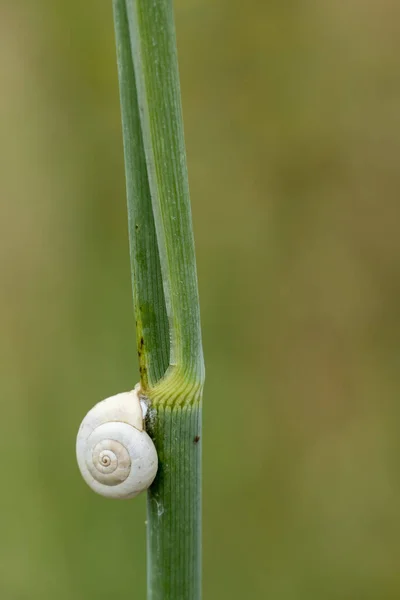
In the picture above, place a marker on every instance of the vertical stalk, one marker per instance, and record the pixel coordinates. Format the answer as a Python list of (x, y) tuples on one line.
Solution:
[(157, 79), (165, 290), (148, 295), (174, 505)]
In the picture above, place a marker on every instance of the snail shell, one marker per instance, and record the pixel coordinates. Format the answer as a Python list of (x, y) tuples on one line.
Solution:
[(116, 457)]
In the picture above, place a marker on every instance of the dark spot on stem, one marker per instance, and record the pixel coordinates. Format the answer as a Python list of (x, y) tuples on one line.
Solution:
[(196, 439), (141, 346)]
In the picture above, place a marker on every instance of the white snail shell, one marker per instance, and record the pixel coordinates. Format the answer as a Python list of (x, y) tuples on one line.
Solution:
[(116, 457)]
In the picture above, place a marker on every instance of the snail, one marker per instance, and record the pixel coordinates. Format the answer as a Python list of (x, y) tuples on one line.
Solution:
[(116, 457)]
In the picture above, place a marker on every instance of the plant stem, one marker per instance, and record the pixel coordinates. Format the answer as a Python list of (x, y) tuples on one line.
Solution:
[(157, 79), (174, 505), (163, 260), (148, 294)]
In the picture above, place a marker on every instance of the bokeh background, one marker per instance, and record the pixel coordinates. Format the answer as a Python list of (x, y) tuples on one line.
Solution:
[(292, 120)]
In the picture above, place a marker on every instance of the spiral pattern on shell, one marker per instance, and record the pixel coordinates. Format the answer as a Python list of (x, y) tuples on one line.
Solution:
[(115, 455)]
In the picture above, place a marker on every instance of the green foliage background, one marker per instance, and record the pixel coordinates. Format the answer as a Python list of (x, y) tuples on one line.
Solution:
[(292, 119)]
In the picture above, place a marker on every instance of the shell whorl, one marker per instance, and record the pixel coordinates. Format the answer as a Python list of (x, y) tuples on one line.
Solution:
[(115, 455)]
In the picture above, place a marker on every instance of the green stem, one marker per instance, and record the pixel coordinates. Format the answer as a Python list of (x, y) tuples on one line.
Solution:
[(148, 294), (165, 290), (157, 79), (174, 505)]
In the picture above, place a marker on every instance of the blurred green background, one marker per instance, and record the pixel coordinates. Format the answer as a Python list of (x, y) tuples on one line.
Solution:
[(292, 120)]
